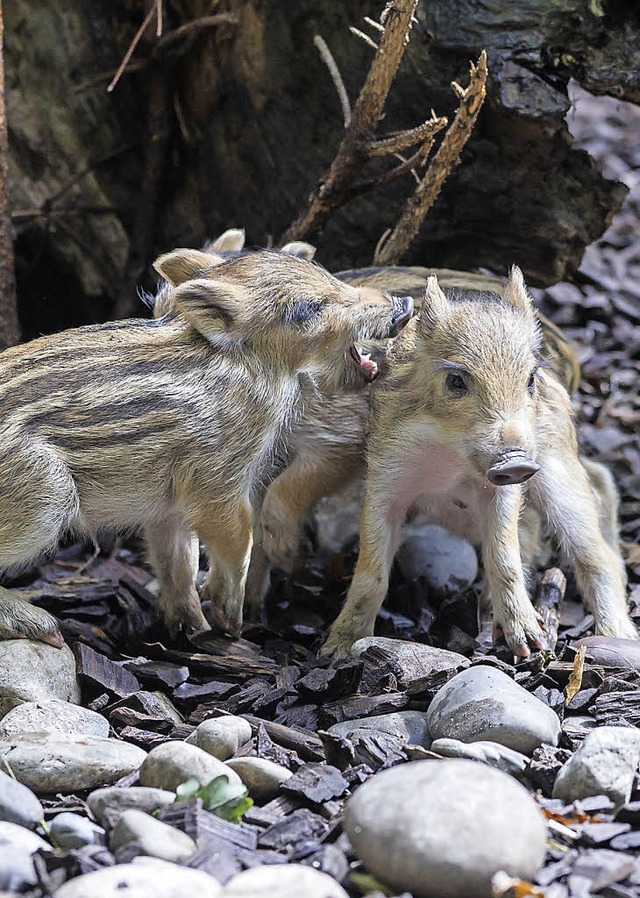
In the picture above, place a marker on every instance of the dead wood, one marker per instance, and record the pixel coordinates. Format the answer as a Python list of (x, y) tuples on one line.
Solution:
[(333, 188), (549, 597), (9, 326), (391, 250)]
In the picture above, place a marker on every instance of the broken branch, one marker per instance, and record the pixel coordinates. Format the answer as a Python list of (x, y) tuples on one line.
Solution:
[(401, 140), (445, 160), (334, 71)]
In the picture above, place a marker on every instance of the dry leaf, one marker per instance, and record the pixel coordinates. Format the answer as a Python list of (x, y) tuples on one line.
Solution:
[(501, 883), (575, 680)]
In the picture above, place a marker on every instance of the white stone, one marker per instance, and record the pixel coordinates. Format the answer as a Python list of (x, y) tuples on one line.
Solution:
[(172, 763), (263, 778), (221, 736), (18, 804), (34, 671), (409, 726), (447, 562), (150, 837), (283, 881), (144, 878), (442, 829), (115, 798), (409, 660), (605, 764), (484, 704), (17, 844), (53, 716), (69, 763), (491, 753), (70, 830)]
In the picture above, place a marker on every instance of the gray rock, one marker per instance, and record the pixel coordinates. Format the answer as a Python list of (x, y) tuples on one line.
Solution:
[(491, 753), (409, 726), (18, 804), (34, 671), (263, 778), (73, 831), (146, 877), (612, 652), (56, 763), (280, 881), (448, 563), (409, 661), (483, 703), (114, 798), (172, 763), (605, 764), (151, 837), (53, 716), (221, 736), (17, 844), (442, 829)]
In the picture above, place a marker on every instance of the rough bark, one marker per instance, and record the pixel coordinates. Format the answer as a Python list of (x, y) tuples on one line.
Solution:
[(255, 120), (9, 327)]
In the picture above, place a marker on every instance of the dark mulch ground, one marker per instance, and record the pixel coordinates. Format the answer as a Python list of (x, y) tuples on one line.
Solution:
[(273, 675)]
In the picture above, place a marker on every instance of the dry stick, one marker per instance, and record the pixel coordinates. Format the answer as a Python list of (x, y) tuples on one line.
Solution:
[(447, 157), (334, 186), (548, 600), (9, 326), (134, 43), (336, 77), (400, 140)]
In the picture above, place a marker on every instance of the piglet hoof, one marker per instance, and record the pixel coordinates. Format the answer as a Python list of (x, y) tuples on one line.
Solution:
[(221, 619), (522, 634), (21, 620), (336, 646)]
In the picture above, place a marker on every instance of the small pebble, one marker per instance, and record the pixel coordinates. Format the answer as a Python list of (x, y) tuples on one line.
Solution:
[(290, 881), (172, 763), (605, 764), (18, 804), (53, 716), (221, 736), (146, 877), (150, 837), (263, 778), (34, 671), (114, 798), (70, 830), (408, 726)]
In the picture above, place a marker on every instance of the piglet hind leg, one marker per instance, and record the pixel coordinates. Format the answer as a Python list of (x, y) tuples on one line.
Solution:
[(513, 613), (566, 498), (227, 535), (173, 553), (379, 539)]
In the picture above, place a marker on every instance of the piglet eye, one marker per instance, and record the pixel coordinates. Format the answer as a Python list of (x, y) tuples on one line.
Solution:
[(456, 384), (531, 386)]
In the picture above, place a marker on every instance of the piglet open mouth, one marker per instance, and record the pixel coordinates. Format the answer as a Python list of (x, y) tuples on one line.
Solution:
[(367, 365)]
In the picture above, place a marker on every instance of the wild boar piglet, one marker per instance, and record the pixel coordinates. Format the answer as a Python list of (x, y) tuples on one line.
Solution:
[(169, 424), (468, 427)]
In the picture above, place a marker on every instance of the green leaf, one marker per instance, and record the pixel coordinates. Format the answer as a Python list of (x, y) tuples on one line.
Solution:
[(188, 789)]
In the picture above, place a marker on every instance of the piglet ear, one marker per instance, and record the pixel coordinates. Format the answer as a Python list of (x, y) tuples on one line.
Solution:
[(181, 265), (515, 292), (230, 241), (435, 305), (300, 249), (211, 307)]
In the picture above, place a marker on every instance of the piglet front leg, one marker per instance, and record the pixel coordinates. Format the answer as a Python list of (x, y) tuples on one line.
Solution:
[(21, 620), (513, 613)]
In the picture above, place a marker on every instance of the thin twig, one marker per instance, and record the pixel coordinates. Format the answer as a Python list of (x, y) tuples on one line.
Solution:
[(364, 37), (132, 46), (159, 18), (327, 57), (401, 140), (443, 163), (377, 25)]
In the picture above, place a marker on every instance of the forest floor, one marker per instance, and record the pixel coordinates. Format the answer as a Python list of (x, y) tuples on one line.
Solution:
[(272, 674)]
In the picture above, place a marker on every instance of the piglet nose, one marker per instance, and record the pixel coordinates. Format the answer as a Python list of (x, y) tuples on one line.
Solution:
[(403, 310), (514, 466)]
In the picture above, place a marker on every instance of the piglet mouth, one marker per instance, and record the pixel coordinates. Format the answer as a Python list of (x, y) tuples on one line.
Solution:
[(363, 360)]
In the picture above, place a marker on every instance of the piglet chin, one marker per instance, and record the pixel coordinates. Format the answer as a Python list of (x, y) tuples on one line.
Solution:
[(367, 365)]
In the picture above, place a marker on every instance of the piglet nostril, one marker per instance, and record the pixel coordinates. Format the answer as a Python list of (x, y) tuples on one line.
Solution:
[(403, 312), (516, 467)]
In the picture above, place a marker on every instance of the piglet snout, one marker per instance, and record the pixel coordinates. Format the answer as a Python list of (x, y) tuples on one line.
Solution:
[(513, 466)]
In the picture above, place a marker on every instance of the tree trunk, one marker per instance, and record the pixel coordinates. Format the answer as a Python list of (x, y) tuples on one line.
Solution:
[(9, 327)]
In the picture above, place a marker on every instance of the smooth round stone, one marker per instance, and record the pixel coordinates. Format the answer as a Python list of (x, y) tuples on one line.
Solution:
[(409, 726), (283, 881), (53, 716), (447, 562), (491, 753), (442, 829), (605, 764), (115, 798), (34, 671), (409, 660), (17, 844), (73, 831), (18, 804), (484, 704), (612, 652), (150, 837), (56, 763), (221, 736), (263, 778), (172, 763), (144, 878)]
